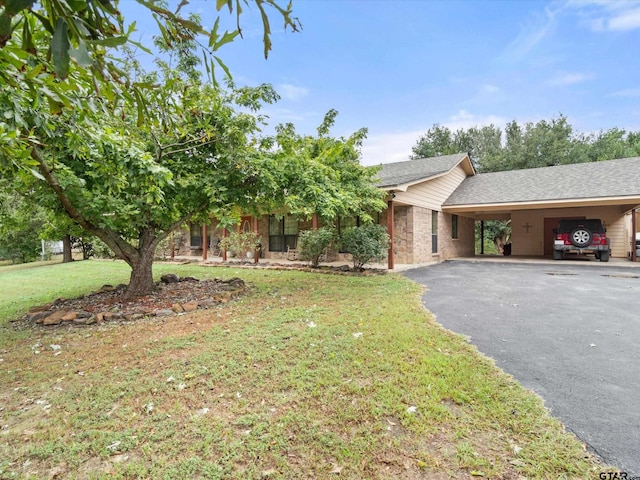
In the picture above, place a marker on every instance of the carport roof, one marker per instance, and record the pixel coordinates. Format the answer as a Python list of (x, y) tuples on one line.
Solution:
[(578, 181), (413, 171)]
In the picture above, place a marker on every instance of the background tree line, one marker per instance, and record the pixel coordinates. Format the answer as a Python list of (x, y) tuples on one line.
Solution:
[(528, 145)]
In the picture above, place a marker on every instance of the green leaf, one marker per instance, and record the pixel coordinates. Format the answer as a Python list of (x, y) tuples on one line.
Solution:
[(12, 7), (60, 48), (5, 27), (80, 55), (140, 104), (110, 41), (36, 174), (46, 23), (224, 67), (226, 38), (222, 3), (27, 39)]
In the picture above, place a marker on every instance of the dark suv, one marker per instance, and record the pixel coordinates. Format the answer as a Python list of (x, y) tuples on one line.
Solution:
[(581, 236)]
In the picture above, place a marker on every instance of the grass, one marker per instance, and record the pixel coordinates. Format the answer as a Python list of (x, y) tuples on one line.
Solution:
[(310, 376)]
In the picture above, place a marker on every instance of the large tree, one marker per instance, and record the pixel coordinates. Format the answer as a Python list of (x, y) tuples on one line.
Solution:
[(127, 160), (321, 174)]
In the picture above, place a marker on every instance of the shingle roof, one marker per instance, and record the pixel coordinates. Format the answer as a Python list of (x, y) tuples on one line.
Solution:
[(400, 173), (611, 178)]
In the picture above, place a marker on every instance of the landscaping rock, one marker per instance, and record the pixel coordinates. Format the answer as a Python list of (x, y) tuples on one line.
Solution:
[(38, 316), (222, 297), (190, 306), (177, 308), (169, 278), (165, 312), (70, 317), (55, 318)]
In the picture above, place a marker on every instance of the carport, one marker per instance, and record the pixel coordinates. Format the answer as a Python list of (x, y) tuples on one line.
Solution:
[(536, 199)]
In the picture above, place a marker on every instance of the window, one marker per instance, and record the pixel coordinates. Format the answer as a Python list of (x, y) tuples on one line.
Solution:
[(283, 233), (434, 231), (195, 235), (454, 226)]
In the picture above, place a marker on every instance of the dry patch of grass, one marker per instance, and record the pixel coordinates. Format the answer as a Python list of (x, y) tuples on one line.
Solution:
[(311, 376)]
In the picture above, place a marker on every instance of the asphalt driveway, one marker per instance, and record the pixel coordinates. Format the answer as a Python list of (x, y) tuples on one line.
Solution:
[(569, 331)]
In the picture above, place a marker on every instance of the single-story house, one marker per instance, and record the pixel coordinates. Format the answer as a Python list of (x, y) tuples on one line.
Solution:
[(433, 205)]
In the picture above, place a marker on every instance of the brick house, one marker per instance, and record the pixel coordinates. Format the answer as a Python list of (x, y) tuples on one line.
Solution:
[(434, 203)]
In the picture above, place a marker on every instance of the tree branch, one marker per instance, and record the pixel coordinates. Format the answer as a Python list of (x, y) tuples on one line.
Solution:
[(119, 246)]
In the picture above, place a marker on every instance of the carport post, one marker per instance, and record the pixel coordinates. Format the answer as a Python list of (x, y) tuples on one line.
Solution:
[(256, 252), (204, 241), (481, 237), (390, 222), (634, 257), (224, 250)]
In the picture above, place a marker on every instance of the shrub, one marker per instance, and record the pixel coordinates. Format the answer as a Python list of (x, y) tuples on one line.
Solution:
[(365, 243), (240, 242), (312, 244)]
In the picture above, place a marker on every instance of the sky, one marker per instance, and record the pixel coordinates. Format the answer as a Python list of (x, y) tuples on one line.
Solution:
[(397, 67)]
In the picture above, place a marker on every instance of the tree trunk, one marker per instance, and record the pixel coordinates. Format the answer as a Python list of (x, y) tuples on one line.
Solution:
[(141, 281), (66, 249)]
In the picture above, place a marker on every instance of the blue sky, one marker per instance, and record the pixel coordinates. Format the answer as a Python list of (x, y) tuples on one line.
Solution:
[(397, 67)]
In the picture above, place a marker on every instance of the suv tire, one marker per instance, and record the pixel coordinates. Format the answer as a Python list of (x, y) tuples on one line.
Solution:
[(604, 256), (581, 237), (558, 254)]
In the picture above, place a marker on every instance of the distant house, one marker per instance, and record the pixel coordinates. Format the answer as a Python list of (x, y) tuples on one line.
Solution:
[(433, 205)]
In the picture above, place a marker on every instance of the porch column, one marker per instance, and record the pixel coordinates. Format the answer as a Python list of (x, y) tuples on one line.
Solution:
[(390, 231), (256, 253), (204, 241), (224, 250)]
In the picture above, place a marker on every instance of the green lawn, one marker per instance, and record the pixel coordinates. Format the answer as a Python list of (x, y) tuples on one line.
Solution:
[(309, 376)]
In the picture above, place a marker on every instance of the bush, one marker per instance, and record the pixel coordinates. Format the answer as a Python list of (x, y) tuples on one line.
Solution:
[(312, 244), (240, 242), (101, 250), (365, 243)]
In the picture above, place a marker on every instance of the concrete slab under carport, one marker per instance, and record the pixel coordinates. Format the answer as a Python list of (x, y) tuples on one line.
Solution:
[(532, 228)]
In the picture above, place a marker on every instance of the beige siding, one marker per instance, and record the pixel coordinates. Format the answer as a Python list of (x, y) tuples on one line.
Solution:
[(532, 242), (432, 194)]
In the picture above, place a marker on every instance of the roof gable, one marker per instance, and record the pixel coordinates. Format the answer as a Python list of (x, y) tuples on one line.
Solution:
[(611, 178), (421, 169)]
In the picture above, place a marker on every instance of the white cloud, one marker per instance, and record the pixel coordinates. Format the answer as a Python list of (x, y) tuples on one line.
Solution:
[(629, 20), (464, 120), (569, 78), (627, 92), (291, 92), (396, 147), (607, 15), (489, 89), (389, 147), (531, 35)]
